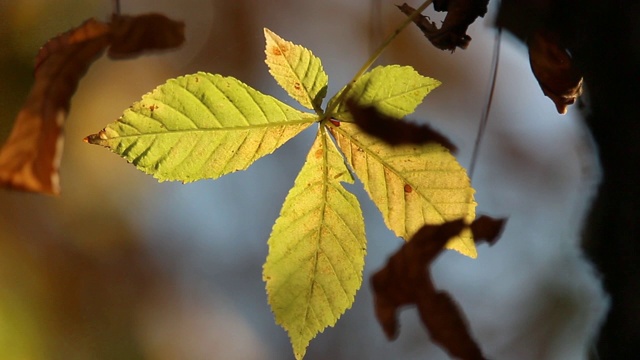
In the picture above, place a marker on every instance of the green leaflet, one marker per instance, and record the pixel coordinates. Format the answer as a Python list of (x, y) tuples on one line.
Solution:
[(201, 126), (316, 248), (411, 185), (297, 70), (395, 90)]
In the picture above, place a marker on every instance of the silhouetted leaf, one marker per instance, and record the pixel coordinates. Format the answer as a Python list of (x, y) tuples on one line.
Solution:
[(486, 228), (406, 280), (453, 32), (30, 158), (553, 68), (392, 130)]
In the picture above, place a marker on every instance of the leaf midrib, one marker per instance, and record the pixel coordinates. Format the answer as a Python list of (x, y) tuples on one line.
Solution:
[(325, 176), (386, 165), (376, 101), (233, 128)]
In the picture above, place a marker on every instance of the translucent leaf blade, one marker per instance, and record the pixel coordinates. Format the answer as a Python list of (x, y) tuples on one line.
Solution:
[(394, 90), (411, 185), (201, 126), (296, 70), (316, 249)]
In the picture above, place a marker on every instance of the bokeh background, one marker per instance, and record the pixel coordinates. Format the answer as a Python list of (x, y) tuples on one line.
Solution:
[(123, 267)]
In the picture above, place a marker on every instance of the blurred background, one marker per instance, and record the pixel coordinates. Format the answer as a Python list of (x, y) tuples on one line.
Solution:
[(122, 267)]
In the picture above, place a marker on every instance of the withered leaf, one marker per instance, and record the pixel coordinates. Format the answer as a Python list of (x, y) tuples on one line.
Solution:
[(552, 66), (392, 130), (453, 32), (406, 280), (131, 35), (487, 229), (30, 158)]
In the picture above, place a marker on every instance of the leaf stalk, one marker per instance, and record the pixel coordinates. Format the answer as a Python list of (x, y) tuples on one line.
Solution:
[(376, 54)]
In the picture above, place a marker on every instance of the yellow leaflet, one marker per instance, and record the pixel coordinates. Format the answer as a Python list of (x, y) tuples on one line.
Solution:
[(393, 89), (297, 70), (316, 248), (411, 185), (201, 126)]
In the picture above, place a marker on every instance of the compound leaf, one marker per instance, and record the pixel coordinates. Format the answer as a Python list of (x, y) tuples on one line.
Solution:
[(393, 90), (316, 248), (411, 185), (201, 126), (297, 70)]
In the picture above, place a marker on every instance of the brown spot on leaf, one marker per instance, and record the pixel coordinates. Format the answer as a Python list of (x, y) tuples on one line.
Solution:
[(319, 153), (408, 188), (297, 86), (275, 50), (335, 122), (152, 107)]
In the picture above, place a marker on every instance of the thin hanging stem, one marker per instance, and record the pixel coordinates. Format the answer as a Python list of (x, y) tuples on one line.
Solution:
[(487, 107), (375, 24), (116, 7), (375, 56)]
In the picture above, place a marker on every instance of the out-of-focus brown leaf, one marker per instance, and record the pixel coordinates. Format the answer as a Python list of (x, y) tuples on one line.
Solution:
[(552, 66), (453, 32), (131, 35), (392, 130), (406, 280), (30, 158)]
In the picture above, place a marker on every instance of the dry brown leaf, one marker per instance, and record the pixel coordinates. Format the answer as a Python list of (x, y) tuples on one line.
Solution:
[(30, 158), (552, 66), (131, 35), (406, 280), (392, 130), (453, 32)]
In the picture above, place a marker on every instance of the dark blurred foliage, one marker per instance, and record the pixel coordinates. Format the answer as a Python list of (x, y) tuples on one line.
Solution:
[(602, 39)]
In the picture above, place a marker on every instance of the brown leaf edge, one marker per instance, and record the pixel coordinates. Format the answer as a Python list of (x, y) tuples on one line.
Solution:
[(406, 279), (392, 130), (30, 158), (453, 32), (553, 67)]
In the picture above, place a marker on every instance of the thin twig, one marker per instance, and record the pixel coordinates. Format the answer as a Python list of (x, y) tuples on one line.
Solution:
[(116, 7), (485, 112), (375, 56)]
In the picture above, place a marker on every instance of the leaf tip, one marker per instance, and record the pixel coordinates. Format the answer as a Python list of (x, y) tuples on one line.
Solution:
[(96, 139)]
